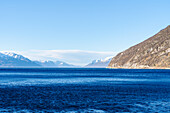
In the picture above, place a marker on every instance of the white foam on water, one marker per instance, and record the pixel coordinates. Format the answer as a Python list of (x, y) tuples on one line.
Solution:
[(14, 111), (85, 111), (153, 106), (52, 111)]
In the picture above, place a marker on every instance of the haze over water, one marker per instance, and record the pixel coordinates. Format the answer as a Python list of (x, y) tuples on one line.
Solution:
[(84, 90)]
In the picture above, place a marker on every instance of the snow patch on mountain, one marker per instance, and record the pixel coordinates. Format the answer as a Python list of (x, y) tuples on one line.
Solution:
[(101, 63), (9, 59), (16, 56), (53, 64)]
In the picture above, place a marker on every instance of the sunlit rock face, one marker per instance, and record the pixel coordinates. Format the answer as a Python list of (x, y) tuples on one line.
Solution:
[(151, 53)]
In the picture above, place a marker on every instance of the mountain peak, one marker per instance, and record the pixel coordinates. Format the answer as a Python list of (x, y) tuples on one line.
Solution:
[(100, 63), (11, 59), (53, 63)]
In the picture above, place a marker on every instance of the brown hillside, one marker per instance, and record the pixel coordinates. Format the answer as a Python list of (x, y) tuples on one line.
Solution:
[(151, 53)]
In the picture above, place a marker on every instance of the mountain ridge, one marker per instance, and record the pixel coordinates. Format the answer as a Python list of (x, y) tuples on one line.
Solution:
[(53, 64), (153, 52), (99, 63), (10, 59)]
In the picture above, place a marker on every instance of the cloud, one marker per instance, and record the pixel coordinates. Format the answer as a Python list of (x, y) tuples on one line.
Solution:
[(76, 57)]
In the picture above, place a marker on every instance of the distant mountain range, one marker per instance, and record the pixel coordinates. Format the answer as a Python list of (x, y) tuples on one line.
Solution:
[(151, 53), (53, 64), (100, 63), (8, 59)]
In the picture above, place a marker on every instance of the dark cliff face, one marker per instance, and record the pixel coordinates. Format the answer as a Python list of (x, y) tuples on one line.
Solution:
[(151, 53)]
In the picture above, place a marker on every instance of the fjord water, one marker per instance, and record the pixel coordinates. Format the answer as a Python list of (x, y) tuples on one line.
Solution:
[(84, 90)]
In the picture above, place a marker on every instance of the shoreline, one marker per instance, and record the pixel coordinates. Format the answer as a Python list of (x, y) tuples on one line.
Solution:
[(137, 67)]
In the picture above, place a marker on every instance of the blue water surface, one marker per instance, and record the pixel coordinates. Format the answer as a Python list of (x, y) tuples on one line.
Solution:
[(84, 90)]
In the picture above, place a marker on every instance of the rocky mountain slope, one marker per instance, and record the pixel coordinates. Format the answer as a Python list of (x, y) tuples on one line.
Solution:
[(100, 63), (151, 53)]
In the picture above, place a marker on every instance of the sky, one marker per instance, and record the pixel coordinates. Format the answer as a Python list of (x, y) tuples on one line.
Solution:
[(78, 31)]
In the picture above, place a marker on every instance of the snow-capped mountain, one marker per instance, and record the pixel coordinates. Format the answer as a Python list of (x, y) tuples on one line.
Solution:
[(9, 59), (53, 64), (16, 56), (102, 63)]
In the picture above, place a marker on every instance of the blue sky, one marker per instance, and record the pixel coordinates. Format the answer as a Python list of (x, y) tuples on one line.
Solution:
[(108, 26)]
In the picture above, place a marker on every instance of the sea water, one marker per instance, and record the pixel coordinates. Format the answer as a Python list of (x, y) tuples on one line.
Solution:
[(84, 90)]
